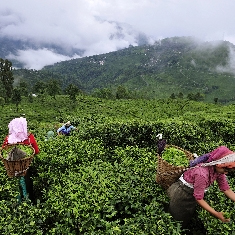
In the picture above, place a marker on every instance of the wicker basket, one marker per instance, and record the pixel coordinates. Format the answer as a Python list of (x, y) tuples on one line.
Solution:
[(17, 167), (167, 173)]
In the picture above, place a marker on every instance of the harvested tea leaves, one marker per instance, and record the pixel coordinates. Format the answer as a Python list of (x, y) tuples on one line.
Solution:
[(27, 149), (175, 157)]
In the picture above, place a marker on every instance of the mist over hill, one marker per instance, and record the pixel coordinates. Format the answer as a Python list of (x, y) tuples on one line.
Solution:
[(169, 66), (35, 53)]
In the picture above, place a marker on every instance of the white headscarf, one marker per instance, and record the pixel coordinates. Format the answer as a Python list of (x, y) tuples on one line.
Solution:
[(222, 157), (17, 130), (223, 162)]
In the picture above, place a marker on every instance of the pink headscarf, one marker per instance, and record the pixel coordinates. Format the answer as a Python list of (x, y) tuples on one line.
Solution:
[(17, 130), (219, 153)]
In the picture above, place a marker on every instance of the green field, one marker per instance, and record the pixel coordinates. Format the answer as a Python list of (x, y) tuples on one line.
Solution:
[(101, 179)]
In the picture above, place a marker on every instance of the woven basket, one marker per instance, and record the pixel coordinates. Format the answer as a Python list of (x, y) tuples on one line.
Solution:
[(167, 173), (18, 167)]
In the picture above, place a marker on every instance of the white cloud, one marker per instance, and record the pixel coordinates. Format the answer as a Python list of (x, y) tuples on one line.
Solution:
[(89, 24), (37, 59), (230, 67)]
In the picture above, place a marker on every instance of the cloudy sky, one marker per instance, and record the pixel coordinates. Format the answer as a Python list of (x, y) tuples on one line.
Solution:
[(91, 25)]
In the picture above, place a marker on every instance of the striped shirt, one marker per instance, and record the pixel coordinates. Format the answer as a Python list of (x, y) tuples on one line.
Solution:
[(202, 177)]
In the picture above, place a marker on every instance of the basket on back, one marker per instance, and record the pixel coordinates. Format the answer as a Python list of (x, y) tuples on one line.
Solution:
[(168, 173), (16, 161)]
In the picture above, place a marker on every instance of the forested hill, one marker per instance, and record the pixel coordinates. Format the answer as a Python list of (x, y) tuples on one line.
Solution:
[(172, 66)]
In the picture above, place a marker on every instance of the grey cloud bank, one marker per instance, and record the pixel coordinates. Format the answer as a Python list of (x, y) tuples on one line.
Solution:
[(101, 26)]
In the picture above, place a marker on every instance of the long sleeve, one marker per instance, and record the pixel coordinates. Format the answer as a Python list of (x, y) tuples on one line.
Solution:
[(5, 142), (33, 142), (60, 129), (200, 159)]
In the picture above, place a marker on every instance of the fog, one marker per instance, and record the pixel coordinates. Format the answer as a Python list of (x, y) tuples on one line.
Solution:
[(101, 26)]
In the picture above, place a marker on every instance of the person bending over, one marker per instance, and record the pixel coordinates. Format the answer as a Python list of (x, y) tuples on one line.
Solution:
[(66, 129), (190, 189)]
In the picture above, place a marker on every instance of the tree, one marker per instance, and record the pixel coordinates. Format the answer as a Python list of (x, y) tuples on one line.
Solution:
[(122, 93), (2, 101), (196, 97), (40, 87), (16, 97), (6, 77), (53, 88), (72, 90), (104, 93), (180, 95), (190, 96), (216, 100), (2, 90), (23, 86), (199, 96), (30, 97)]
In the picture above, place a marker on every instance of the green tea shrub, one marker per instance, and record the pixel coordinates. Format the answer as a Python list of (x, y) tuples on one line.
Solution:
[(102, 197), (221, 129), (101, 179)]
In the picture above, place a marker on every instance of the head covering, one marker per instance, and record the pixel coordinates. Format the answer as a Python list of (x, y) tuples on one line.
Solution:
[(159, 136), (17, 130), (67, 123), (230, 161), (219, 153), (221, 157), (50, 134)]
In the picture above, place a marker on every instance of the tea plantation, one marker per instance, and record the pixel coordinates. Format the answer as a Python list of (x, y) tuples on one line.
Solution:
[(101, 179)]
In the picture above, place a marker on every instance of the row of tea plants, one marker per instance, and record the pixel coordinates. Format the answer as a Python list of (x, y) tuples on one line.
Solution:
[(101, 180)]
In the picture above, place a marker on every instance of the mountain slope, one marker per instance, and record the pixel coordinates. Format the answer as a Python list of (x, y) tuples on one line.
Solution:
[(172, 65)]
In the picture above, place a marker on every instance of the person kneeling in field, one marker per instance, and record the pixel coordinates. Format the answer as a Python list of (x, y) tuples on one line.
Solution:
[(189, 190)]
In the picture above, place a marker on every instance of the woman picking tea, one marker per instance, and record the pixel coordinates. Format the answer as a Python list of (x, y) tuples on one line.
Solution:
[(190, 189)]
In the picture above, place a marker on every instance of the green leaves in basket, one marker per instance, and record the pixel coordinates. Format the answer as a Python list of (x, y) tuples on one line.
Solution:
[(25, 148), (175, 157)]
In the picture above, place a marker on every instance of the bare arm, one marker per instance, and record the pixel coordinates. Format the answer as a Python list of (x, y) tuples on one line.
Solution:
[(212, 211), (230, 194)]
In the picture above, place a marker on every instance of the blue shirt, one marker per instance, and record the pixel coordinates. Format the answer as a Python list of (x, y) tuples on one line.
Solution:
[(65, 130)]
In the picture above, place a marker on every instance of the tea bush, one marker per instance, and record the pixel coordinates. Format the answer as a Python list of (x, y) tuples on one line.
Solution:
[(101, 180)]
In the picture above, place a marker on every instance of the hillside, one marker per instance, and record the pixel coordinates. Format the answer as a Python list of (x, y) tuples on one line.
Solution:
[(172, 65)]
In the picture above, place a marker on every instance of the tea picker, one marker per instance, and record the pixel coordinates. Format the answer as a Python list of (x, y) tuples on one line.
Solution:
[(50, 135), (17, 153), (186, 186)]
